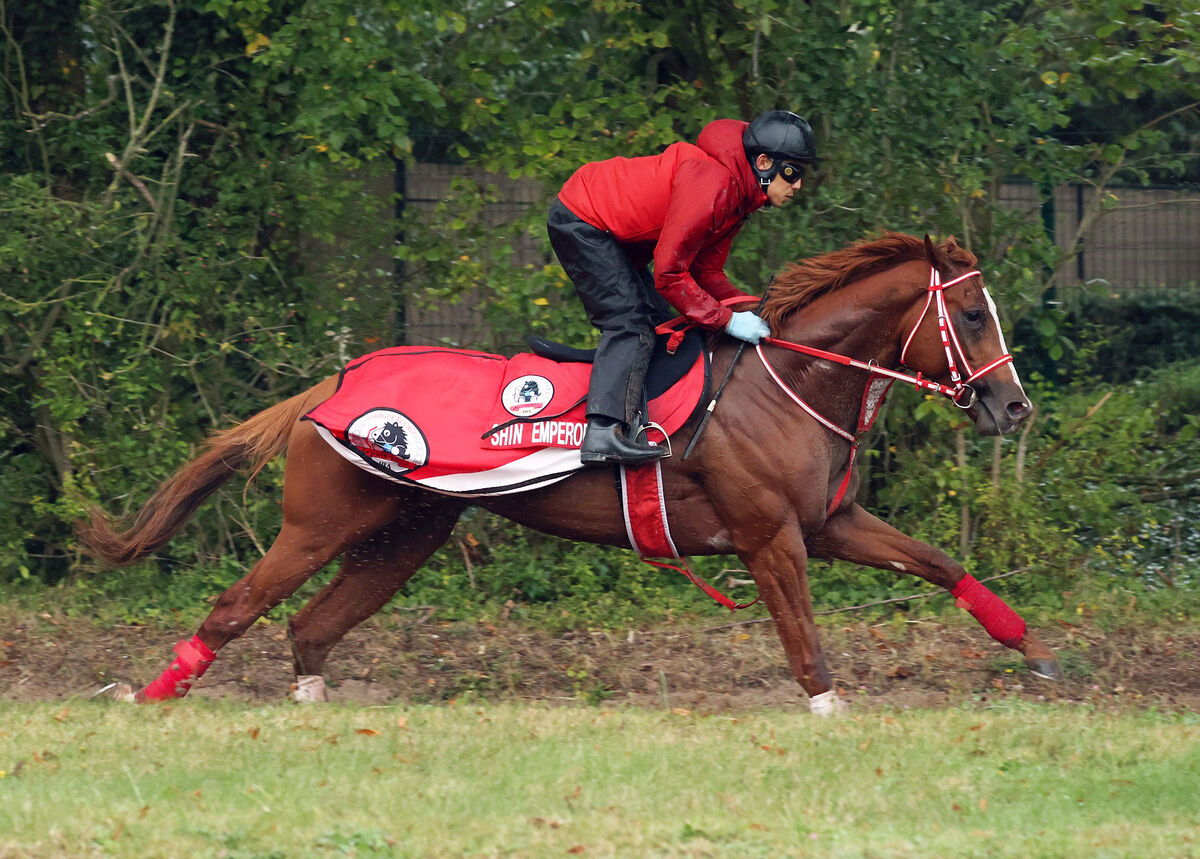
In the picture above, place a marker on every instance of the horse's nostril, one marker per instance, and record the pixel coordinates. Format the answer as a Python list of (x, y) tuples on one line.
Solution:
[(1019, 409)]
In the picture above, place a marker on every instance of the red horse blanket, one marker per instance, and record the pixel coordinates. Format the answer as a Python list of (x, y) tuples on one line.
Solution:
[(472, 423)]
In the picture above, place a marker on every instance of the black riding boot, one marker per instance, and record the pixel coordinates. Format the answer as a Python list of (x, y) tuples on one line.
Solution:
[(605, 442)]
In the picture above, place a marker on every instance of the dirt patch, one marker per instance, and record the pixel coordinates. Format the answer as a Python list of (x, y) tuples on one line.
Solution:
[(705, 668)]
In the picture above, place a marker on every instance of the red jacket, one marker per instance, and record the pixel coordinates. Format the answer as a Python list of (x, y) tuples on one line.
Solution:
[(681, 208)]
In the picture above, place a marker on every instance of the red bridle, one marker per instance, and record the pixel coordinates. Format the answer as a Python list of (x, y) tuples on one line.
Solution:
[(936, 295), (873, 395), (950, 343)]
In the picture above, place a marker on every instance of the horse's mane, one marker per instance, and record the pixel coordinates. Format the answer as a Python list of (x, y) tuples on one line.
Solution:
[(801, 282)]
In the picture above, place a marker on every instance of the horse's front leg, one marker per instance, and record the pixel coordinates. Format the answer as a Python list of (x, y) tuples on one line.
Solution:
[(780, 569), (855, 535)]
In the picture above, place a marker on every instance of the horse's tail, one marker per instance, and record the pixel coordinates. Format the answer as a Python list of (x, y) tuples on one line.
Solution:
[(252, 443)]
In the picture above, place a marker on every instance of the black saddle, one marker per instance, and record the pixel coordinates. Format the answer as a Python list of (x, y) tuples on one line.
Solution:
[(665, 369)]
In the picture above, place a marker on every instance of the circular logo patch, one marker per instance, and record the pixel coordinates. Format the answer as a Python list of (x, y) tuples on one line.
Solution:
[(393, 442), (527, 395)]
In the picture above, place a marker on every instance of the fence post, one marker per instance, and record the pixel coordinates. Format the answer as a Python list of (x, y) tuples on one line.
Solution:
[(399, 269), (1050, 296)]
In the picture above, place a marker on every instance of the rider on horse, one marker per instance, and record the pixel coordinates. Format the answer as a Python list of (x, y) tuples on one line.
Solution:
[(681, 210)]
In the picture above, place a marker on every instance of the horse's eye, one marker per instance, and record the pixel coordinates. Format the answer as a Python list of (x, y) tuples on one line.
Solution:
[(973, 316)]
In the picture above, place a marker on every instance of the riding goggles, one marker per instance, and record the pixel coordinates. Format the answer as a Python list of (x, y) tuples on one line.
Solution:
[(792, 171)]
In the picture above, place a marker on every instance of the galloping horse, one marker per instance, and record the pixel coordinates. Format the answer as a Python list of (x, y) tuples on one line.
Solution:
[(771, 478)]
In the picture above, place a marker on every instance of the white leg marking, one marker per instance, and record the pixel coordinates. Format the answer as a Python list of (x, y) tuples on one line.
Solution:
[(827, 704), (117, 692), (309, 689), (899, 566)]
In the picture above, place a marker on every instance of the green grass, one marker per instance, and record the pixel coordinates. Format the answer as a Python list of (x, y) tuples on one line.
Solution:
[(203, 778)]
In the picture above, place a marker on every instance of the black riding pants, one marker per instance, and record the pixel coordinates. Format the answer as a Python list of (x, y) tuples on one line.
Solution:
[(620, 300)]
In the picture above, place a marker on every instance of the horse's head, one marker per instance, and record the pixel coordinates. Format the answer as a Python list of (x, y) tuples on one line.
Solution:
[(954, 337)]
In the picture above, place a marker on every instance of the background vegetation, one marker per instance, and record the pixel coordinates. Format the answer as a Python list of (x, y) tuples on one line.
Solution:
[(187, 235)]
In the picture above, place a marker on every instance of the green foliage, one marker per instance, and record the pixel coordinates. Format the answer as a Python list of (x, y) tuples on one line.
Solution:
[(191, 230), (493, 568), (1102, 505)]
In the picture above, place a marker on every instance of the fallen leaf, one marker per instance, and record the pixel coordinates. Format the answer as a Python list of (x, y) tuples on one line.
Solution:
[(367, 732)]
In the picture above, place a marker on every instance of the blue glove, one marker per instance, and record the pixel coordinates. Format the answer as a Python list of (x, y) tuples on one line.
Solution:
[(746, 326)]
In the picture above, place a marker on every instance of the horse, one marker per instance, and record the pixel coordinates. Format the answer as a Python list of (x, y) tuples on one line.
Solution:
[(771, 478)]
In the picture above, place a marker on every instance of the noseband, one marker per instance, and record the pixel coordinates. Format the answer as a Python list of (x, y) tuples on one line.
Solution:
[(961, 388)]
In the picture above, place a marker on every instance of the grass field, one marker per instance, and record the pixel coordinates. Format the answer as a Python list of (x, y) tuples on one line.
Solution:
[(216, 779)]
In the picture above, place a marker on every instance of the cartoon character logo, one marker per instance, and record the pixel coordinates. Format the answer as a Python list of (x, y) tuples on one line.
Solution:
[(390, 440), (527, 395)]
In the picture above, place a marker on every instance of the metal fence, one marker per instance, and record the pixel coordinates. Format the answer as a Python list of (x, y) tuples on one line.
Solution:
[(463, 323), (1147, 240)]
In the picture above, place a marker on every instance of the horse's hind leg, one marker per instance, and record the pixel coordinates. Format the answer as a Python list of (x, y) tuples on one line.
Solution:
[(329, 505), (371, 574), (855, 535)]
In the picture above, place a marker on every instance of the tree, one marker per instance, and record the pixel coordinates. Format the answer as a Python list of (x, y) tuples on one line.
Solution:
[(186, 231)]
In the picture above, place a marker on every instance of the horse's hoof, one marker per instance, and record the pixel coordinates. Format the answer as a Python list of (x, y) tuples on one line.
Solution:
[(827, 704), (1045, 669), (117, 692), (309, 689)]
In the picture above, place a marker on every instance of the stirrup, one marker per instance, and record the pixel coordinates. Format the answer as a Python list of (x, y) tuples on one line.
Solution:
[(641, 430)]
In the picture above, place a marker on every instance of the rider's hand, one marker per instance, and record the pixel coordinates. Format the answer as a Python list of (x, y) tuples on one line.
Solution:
[(744, 325)]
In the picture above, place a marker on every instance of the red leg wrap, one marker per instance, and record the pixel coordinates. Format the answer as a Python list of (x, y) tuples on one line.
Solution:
[(1000, 621), (192, 659)]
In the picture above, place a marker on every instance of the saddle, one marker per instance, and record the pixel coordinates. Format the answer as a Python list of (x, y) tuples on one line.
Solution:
[(671, 358), (472, 423)]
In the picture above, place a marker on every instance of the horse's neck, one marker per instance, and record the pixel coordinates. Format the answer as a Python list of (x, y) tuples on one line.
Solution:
[(863, 321)]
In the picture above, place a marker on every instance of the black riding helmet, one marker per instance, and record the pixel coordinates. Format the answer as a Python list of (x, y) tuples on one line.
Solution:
[(783, 137)]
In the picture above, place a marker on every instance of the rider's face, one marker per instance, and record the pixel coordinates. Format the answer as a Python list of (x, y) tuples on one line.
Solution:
[(780, 191)]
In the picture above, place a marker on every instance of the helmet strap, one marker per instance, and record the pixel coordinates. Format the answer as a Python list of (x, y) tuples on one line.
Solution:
[(766, 177)]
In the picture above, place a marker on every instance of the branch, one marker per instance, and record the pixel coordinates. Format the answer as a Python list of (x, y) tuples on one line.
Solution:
[(120, 169), (41, 120), (138, 127)]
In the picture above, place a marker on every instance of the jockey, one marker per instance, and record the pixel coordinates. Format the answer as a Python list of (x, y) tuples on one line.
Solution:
[(679, 210)]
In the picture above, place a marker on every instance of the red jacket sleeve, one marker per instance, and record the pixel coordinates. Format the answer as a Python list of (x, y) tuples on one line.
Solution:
[(709, 270), (700, 199)]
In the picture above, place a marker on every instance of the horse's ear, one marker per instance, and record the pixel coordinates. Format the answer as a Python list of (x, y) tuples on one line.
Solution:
[(931, 251)]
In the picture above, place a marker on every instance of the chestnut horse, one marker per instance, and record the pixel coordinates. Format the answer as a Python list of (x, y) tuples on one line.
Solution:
[(771, 478)]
